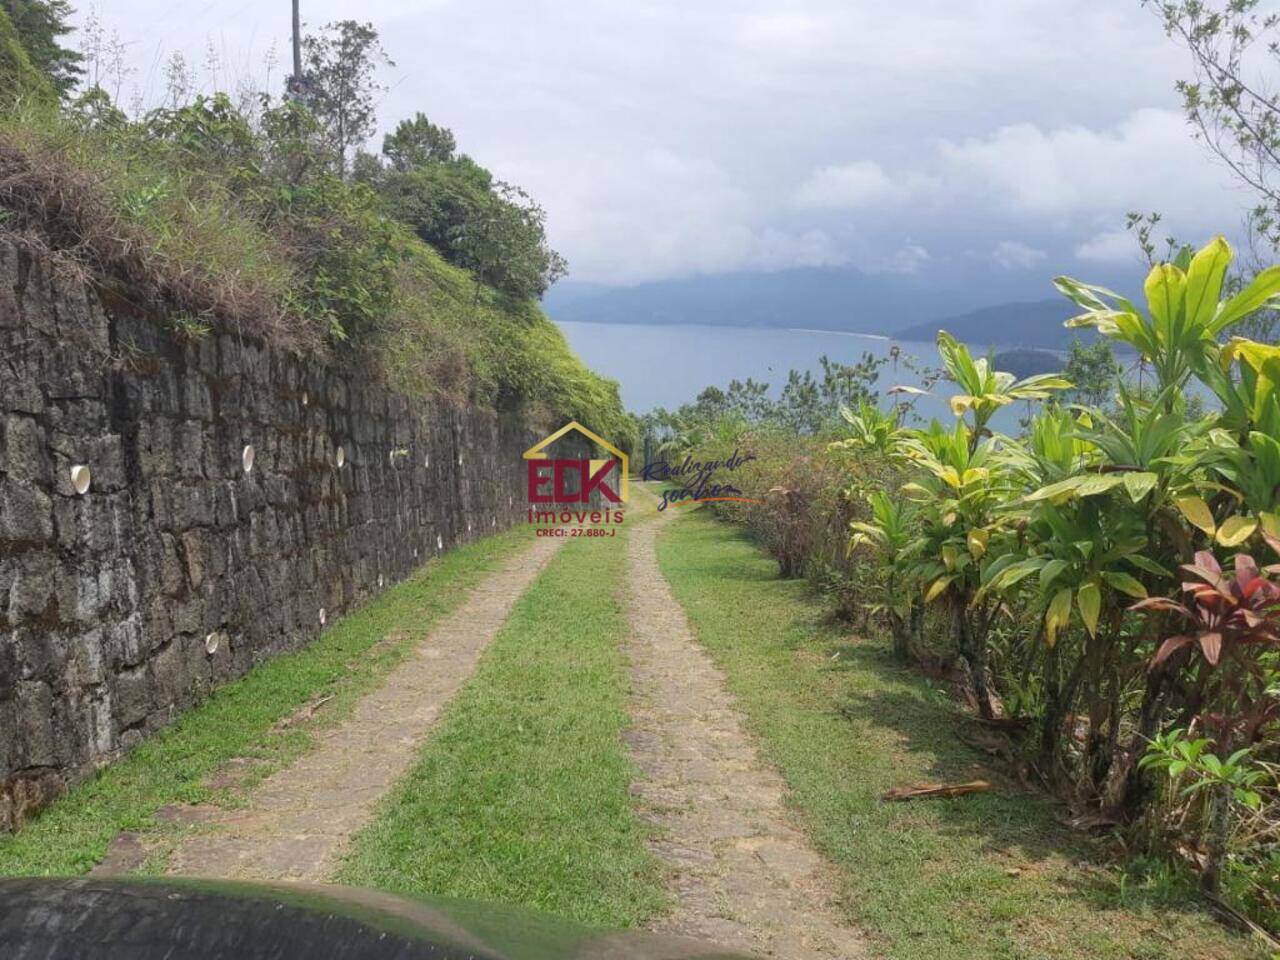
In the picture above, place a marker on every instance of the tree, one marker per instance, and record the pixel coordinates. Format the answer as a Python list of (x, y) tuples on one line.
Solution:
[(40, 24), (19, 80), (1232, 100), (341, 64), (504, 244), (418, 142), (1093, 372)]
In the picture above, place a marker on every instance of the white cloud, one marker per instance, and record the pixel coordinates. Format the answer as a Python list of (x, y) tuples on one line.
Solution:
[(676, 214), (1015, 255), (669, 138), (1111, 246), (769, 32), (849, 186), (779, 249), (1147, 161), (907, 259)]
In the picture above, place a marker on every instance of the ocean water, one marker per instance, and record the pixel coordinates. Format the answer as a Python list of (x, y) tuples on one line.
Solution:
[(665, 366)]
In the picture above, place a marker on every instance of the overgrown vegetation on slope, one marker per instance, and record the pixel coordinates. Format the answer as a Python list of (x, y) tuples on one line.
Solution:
[(20, 80), (1102, 588), (218, 217)]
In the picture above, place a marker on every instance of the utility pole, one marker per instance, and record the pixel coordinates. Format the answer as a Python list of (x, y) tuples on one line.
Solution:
[(297, 43)]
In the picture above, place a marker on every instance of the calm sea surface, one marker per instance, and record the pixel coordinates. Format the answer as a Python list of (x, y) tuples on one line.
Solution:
[(665, 366)]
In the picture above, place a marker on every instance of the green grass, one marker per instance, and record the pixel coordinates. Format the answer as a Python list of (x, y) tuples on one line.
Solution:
[(521, 794), (236, 721), (985, 876)]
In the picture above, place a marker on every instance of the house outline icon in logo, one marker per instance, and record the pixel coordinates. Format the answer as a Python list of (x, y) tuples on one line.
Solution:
[(538, 452)]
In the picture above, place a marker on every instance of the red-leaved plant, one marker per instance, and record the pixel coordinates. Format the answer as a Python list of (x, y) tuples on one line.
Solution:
[(1234, 619), (1235, 624)]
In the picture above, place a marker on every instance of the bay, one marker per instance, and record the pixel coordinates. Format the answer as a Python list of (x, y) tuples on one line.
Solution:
[(666, 365)]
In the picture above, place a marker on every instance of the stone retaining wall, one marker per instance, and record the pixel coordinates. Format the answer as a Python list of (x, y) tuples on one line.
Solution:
[(179, 568)]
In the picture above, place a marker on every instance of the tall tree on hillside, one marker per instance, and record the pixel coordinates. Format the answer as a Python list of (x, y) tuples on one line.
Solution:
[(341, 65), (40, 25), (503, 243), (418, 142)]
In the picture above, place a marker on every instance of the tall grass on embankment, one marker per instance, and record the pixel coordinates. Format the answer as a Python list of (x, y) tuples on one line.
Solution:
[(202, 220)]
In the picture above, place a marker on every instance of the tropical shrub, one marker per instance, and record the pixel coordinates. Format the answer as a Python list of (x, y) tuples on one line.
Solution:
[(1065, 541), (1072, 575)]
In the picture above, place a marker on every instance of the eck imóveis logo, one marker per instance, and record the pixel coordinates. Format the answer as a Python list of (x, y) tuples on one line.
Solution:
[(560, 490)]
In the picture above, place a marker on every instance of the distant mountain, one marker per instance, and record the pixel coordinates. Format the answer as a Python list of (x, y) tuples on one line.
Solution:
[(1036, 324), (911, 306), (826, 298)]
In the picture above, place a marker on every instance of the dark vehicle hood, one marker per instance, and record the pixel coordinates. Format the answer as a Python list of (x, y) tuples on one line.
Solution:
[(181, 919)]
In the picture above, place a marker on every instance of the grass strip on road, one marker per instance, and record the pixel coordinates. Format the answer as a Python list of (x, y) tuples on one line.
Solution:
[(237, 720), (982, 876), (521, 794)]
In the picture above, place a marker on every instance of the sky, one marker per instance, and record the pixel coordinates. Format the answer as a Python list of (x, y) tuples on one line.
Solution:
[(667, 139)]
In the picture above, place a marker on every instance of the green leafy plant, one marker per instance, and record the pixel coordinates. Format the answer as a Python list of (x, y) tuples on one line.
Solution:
[(984, 390), (1178, 334), (891, 533)]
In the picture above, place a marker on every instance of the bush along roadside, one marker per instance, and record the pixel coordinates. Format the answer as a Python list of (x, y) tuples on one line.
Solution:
[(988, 874), (1102, 587)]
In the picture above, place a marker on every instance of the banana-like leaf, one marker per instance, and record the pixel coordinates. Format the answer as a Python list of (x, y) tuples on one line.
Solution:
[(1089, 600), (1039, 386), (1058, 492), (1050, 572), (1164, 287), (1125, 584), (1204, 281), (1264, 358), (1087, 485), (1058, 615), (1090, 296), (1236, 530), (1197, 513), (1106, 321), (1264, 287), (1147, 564), (1013, 574), (1139, 484), (1095, 484), (949, 556), (937, 587), (977, 541), (1270, 523)]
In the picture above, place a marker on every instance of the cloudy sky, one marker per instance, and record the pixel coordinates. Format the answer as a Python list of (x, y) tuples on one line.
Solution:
[(672, 138)]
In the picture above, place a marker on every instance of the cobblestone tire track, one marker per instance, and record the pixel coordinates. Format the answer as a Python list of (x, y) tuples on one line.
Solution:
[(743, 874), (299, 819)]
